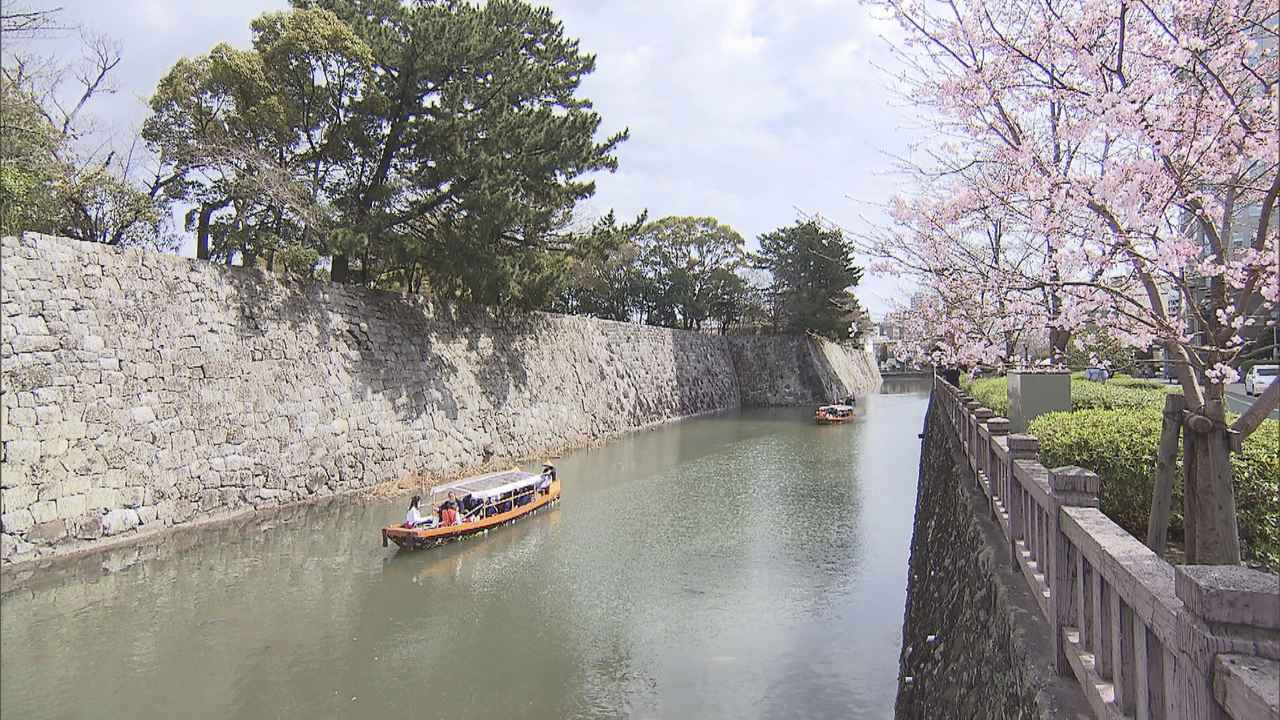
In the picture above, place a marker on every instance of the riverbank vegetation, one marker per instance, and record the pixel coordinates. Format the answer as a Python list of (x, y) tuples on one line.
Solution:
[(434, 148)]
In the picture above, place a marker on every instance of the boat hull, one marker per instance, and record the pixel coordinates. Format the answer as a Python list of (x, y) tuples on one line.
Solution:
[(832, 420), (422, 538)]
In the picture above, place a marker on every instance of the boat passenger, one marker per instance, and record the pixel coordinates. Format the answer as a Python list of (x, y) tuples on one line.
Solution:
[(448, 513), (467, 507), (456, 504), (546, 478), (524, 495), (414, 517)]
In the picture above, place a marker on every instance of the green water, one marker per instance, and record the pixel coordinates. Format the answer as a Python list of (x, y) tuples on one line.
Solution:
[(746, 565)]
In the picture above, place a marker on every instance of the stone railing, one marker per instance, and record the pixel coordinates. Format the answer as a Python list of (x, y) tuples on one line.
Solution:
[(1144, 639)]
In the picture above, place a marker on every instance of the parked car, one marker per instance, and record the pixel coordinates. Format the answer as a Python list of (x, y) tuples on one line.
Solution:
[(1259, 378)]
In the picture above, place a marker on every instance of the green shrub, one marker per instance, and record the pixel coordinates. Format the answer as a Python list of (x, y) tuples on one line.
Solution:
[(1130, 382), (1120, 446), (1087, 395), (992, 392), (1124, 392)]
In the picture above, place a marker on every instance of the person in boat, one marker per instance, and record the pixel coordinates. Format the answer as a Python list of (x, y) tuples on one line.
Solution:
[(547, 477), (851, 401), (466, 508), (456, 505), (524, 495), (414, 517), (449, 512)]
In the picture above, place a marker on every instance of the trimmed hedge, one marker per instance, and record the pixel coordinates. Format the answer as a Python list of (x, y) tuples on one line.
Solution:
[(991, 392), (1113, 429), (1120, 446), (1120, 392)]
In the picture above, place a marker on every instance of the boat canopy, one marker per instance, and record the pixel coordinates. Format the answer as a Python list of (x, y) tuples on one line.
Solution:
[(490, 486)]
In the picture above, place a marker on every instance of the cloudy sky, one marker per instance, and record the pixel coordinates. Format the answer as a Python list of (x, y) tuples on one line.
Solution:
[(745, 110)]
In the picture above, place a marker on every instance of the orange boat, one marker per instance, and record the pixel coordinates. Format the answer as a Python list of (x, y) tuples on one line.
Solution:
[(833, 414), (489, 501)]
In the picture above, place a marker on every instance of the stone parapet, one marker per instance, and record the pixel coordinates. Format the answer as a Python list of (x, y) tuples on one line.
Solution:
[(1143, 639)]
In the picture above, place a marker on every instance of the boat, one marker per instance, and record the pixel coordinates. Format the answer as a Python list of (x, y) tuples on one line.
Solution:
[(833, 414), (489, 501)]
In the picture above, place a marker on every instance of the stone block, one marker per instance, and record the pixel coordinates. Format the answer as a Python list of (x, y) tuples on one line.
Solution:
[(93, 343), (54, 447), (75, 485), (18, 498), (22, 417), (1032, 394), (33, 343), (142, 415), (71, 506), (114, 522), (1023, 446), (89, 527), (103, 498), (18, 521), (21, 452), (29, 325), (1229, 594), (47, 395), (48, 533), (132, 497), (1070, 478), (44, 511)]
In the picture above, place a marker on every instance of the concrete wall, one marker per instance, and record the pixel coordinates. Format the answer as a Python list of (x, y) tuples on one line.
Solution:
[(142, 390), (974, 643)]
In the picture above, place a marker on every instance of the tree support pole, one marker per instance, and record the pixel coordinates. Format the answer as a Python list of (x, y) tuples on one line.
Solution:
[(1166, 460)]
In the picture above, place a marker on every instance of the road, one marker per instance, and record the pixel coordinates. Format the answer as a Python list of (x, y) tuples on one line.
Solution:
[(1238, 402)]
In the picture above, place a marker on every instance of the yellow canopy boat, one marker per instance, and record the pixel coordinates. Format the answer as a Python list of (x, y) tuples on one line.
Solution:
[(486, 502)]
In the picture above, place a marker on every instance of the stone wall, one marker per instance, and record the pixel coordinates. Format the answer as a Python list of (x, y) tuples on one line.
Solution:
[(143, 390), (974, 643)]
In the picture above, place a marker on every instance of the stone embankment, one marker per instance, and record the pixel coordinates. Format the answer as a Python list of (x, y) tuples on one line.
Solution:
[(1019, 583), (143, 390), (973, 643)]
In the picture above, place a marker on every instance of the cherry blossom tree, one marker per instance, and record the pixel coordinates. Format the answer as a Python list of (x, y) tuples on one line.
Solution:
[(1132, 148)]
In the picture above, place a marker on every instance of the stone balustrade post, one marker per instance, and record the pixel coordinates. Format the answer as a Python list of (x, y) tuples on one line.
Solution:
[(1021, 447), (1225, 609), (1069, 486), (996, 427), (982, 446), (971, 431)]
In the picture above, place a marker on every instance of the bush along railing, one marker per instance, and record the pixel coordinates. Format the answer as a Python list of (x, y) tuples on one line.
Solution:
[(1145, 639)]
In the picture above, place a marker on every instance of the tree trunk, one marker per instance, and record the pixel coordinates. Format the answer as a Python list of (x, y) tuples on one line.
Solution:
[(1217, 533), (202, 233), (340, 271), (1058, 341), (202, 228)]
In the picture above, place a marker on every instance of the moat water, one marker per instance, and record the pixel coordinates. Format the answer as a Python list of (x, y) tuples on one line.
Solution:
[(743, 565)]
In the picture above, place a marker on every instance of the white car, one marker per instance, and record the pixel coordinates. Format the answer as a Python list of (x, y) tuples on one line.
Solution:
[(1259, 378)]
